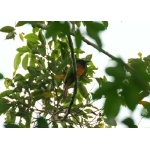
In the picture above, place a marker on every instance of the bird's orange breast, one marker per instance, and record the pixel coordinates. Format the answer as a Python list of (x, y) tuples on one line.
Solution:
[(80, 70)]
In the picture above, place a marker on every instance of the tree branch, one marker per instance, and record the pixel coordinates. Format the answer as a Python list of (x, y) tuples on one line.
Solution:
[(75, 76), (95, 46), (104, 52)]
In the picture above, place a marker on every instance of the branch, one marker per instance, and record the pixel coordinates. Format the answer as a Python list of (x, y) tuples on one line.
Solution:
[(75, 77), (95, 46), (103, 51)]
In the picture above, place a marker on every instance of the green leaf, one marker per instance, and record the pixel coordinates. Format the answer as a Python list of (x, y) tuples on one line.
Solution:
[(83, 90), (8, 82), (32, 37), (33, 71), (18, 77), (130, 123), (10, 35), (25, 62), (17, 60), (7, 29), (99, 80), (146, 110), (105, 23), (11, 125), (21, 23), (42, 50), (42, 123), (63, 49), (111, 121), (11, 115), (56, 28), (1, 76), (88, 110), (88, 57), (23, 49), (104, 89), (4, 106), (78, 39), (6, 93), (54, 125), (112, 105), (93, 29), (42, 38), (32, 60)]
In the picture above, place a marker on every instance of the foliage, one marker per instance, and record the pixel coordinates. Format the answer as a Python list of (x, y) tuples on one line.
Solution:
[(34, 99)]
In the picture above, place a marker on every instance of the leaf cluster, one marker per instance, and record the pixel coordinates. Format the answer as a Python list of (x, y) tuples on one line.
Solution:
[(34, 99)]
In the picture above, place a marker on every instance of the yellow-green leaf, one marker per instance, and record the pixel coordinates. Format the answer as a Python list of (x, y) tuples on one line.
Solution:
[(17, 60), (25, 62)]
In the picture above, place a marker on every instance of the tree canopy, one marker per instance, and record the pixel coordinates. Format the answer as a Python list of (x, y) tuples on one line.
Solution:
[(35, 99)]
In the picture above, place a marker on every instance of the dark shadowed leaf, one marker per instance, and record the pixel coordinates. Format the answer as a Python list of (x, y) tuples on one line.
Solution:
[(1, 76), (42, 50), (42, 123), (112, 105), (4, 105), (78, 39), (57, 27), (11, 125), (130, 123)]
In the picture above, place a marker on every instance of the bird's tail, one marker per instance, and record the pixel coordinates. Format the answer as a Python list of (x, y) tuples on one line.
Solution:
[(65, 91)]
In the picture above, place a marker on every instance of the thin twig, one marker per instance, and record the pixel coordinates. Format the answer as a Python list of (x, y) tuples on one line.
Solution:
[(75, 77)]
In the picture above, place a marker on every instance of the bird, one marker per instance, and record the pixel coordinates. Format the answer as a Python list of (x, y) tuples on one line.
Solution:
[(69, 79)]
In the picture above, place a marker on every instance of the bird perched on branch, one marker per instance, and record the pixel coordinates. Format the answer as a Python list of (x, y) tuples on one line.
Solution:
[(69, 79)]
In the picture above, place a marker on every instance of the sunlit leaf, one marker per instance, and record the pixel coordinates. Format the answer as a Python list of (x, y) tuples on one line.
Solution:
[(17, 60), (88, 57), (31, 37), (59, 77), (23, 49), (48, 94), (21, 35), (25, 61)]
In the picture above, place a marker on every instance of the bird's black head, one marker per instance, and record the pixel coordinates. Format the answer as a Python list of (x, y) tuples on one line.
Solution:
[(82, 62)]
